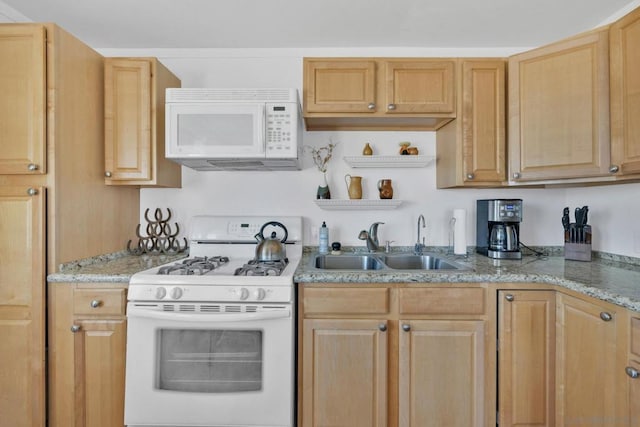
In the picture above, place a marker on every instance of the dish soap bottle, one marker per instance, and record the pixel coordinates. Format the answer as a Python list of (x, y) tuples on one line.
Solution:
[(323, 244)]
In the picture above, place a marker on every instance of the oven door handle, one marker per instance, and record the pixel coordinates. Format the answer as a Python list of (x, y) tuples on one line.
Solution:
[(201, 318)]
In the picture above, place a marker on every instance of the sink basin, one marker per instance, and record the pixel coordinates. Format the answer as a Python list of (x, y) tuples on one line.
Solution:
[(385, 262), (348, 262), (418, 262)]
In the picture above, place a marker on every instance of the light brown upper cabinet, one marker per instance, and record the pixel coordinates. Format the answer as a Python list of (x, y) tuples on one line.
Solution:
[(378, 93), (471, 150), (559, 110), (134, 123), (23, 100), (625, 95)]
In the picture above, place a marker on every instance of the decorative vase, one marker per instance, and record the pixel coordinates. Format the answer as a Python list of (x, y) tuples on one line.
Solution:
[(367, 150), (323, 189)]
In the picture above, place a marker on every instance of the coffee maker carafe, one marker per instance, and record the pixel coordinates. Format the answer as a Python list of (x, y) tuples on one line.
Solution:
[(498, 228)]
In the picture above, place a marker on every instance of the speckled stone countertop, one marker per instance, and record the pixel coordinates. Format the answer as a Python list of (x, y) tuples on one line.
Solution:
[(604, 278), (110, 268)]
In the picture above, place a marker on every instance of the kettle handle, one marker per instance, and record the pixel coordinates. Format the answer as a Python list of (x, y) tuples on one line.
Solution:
[(278, 224)]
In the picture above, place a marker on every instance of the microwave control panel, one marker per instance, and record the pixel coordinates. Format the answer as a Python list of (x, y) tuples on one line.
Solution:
[(281, 129)]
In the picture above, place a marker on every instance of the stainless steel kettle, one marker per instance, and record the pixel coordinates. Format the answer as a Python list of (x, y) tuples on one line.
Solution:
[(271, 249)]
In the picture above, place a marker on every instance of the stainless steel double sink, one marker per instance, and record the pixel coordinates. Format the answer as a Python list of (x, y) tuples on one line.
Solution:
[(397, 261)]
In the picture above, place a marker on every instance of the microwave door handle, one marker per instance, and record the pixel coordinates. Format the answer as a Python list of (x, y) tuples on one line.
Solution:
[(202, 318)]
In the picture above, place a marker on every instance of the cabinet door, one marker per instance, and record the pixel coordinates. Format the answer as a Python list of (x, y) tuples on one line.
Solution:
[(625, 94), (23, 100), (441, 373), (339, 86), (128, 119), (419, 86), (633, 402), (483, 121), (526, 360), (344, 373), (586, 363), (22, 323), (99, 372), (559, 110)]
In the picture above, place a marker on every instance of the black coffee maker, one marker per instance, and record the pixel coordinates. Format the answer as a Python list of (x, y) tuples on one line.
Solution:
[(498, 228)]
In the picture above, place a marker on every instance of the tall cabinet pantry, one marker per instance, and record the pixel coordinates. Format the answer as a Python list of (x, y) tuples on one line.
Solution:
[(54, 206)]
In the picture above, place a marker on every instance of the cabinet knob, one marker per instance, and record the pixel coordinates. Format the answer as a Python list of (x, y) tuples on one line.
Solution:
[(107, 174), (406, 327), (371, 106), (382, 327), (32, 167), (32, 191), (470, 176), (96, 303), (516, 175), (75, 328), (391, 106), (509, 297), (614, 169), (633, 373), (606, 316)]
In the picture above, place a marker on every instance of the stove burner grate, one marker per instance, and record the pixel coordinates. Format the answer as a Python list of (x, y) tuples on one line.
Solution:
[(196, 266), (262, 268)]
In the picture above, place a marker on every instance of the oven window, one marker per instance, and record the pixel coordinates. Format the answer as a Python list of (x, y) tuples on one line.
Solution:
[(209, 361)]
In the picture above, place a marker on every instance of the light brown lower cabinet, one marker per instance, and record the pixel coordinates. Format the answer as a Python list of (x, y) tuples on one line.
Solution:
[(526, 357), (87, 338), (590, 359), (394, 355)]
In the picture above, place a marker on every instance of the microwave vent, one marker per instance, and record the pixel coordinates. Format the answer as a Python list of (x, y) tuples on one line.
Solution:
[(231, 95)]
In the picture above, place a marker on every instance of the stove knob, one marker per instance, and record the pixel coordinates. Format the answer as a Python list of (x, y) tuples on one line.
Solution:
[(176, 293), (160, 293), (244, 293), (259, 294)]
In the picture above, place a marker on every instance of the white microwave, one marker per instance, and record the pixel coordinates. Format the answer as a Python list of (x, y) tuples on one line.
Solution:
[(233, 129)]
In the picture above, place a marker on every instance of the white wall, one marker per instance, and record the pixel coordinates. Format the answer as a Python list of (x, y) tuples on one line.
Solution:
[(612, 208)]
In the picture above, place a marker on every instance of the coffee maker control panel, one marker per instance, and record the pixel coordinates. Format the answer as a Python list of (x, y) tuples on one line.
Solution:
[(505, 210)]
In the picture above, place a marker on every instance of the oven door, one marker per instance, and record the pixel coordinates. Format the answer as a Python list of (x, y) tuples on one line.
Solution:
[(204, 369)]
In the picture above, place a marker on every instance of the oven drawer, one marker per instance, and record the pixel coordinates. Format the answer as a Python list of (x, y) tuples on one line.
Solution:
[(99, 301), (346, 300), (429, 300)]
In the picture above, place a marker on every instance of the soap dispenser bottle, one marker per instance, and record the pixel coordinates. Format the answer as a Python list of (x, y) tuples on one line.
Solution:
[(323, 243)]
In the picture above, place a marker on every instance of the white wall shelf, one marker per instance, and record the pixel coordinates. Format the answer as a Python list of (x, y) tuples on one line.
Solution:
[(357, 204), (389, 161)]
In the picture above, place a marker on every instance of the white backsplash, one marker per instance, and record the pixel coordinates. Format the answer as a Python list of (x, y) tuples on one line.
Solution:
[(613, 209)]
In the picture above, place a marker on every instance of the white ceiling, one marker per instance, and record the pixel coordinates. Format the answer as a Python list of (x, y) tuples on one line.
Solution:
[(315, 23)]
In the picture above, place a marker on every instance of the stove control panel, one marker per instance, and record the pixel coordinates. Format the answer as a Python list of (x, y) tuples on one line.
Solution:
[(218, 293)]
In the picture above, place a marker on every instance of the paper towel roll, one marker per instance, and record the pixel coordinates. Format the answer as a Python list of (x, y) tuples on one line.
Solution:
[(460, 232)]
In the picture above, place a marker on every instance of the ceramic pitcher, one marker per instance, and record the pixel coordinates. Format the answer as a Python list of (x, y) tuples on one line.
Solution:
[(385, 189), (354, 186)]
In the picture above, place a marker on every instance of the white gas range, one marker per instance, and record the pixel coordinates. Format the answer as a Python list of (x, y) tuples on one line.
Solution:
[(210, 338)]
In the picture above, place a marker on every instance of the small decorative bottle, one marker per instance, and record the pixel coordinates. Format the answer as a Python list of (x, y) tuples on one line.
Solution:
[(367, 150)]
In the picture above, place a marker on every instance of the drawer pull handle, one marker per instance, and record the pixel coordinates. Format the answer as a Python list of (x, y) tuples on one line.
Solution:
[(32, 167), (75, 328), (382, 327), (633, 373), (96, 303), (406, 327), (32, 192), (509, 297), (606, 316), (371, 106)]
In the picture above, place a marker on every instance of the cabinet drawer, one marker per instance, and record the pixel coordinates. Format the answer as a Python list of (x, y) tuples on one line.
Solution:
[(441, 301), (346, 301), (635, 336), (106, 301)]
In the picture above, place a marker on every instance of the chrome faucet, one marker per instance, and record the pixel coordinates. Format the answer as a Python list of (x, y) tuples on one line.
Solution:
[(371, 237), (419, 244)]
